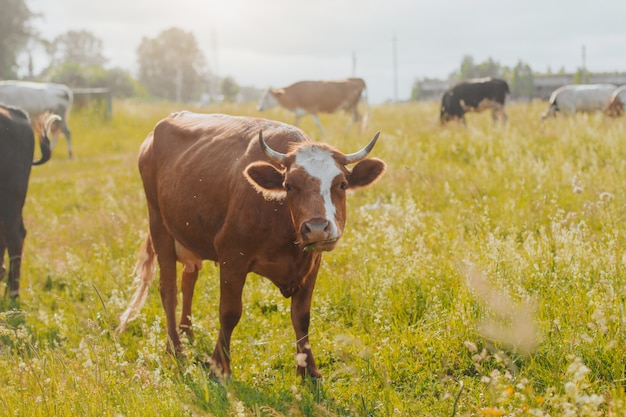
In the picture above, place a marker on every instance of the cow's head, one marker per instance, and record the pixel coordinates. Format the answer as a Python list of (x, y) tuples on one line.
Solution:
[(450, 108), (268, 100), (313, 180), (615, 107)]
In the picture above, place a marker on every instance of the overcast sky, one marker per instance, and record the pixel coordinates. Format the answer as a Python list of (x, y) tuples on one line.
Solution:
[(277, 42)]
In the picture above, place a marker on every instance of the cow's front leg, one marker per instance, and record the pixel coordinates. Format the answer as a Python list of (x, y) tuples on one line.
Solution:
[(300, 318), (231, 288)]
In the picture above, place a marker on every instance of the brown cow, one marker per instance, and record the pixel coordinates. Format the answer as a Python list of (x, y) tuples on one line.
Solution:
[(312, 97), (216, 190)]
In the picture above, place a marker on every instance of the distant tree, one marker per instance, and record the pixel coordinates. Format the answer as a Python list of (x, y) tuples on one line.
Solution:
[(229, 89), (581, 76), (80, 47), (416, 90), (249, 93), (15, 32), (69, 73), (469, 69), (522, 81), (117, 80), (171, 66)]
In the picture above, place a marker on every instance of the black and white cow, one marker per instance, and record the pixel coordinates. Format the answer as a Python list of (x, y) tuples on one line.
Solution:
[(17, 148), (38, 98), (474, 95)]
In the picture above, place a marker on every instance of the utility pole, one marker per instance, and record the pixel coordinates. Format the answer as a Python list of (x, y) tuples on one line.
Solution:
[(215, 78), (395, 69), (179, 85), (584, 68), (353, 64)]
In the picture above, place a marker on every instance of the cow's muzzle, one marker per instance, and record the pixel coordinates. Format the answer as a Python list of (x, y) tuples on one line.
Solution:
[(318, 235)]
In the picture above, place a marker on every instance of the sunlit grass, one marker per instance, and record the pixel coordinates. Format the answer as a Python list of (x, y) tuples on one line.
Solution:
[(483, 275)]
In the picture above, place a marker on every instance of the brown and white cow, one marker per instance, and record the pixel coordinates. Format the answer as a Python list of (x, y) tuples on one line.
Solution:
[(270, 203), (313, 97), (17, 147)]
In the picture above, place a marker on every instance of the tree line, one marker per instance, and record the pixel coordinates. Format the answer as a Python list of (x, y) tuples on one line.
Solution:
[(171, 65), (521, 77)]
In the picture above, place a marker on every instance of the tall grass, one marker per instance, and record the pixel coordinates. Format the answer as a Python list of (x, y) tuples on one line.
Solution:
[(482, 276)]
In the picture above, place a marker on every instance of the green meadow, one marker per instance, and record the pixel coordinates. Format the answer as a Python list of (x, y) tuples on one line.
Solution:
[(483, 275)]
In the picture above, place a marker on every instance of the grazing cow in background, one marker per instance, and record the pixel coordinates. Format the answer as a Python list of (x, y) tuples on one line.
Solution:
[(570, 99), (251, 194), (17, 148), (312, 97), (474, 95), (616, 102), (38, 98)]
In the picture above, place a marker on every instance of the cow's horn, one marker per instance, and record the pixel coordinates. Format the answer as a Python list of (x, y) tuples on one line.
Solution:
[(362, 154), (271, 153)]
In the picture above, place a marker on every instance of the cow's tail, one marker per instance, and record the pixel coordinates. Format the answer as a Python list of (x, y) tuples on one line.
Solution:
[(144, 275), (366, 114), (44, 125)]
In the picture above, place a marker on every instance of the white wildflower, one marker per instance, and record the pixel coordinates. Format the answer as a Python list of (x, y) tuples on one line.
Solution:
[(301, 359), (570, 389), (577, 185), (470, 346), (606, 197)]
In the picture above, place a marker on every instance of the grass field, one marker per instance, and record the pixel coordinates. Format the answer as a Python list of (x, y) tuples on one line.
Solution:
[(484, 275)]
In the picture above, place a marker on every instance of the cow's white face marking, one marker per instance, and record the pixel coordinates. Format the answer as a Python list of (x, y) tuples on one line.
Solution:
[(268, 101), (320, 164)]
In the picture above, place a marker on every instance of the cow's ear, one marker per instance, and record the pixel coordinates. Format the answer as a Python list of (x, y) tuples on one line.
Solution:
[(366, 172), (266, 179)]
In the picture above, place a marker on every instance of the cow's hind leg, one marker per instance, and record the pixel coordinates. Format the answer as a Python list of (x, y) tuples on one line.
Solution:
[(163, 244), (68, 138), (15, 245), (3, 270), (498, 113), (188, 284)]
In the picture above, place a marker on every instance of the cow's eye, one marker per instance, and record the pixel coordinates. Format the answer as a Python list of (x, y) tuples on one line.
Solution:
[(288, 187), (343, 185)]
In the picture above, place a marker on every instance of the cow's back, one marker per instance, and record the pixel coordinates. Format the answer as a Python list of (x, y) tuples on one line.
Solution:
[(584, 98), (37, 98), (192, 168), (323, 96)]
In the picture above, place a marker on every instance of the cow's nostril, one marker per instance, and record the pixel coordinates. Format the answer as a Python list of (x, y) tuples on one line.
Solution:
[(315, 230)]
